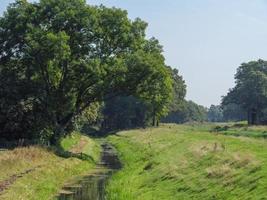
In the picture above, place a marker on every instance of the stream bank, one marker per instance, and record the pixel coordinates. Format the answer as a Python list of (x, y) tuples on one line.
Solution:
[(92, 186)]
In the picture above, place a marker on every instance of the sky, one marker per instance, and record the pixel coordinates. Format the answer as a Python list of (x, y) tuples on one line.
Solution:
[(206, 40)]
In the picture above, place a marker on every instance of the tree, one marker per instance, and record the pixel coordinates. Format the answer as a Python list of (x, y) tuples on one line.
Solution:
[(187, 112), (125, 112), (250, 91), (195, 112), (233, 112), (179, 90), (152, 99), (63, 56), (177, 105), (215, 114)]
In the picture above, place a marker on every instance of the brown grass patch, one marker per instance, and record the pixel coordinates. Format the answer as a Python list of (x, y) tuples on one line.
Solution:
[(219, 171), (241, 160), (20, 159), (204, 148)]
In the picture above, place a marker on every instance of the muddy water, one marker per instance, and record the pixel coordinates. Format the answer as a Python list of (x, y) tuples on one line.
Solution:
[(92, 186)]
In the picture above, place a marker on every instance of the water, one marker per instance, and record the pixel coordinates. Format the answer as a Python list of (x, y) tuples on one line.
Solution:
[(92, 186)]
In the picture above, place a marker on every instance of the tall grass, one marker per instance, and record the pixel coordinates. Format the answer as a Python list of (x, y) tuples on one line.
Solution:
[(183, 162), (49, 171)]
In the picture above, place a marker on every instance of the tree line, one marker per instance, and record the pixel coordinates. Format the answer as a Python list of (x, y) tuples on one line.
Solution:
[(63, 63), (247, 100), (250, 91)]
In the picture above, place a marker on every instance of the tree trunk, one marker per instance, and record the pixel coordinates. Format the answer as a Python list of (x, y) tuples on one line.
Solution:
[(57, 134), (59, 129)]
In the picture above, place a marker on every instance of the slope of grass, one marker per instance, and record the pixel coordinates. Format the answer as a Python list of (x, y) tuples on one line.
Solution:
[(49, 171), (70, 141), (241, 130), (186, 162)]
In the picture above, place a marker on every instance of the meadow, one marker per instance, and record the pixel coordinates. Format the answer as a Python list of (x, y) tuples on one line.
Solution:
[(189, 162), (39, 172)]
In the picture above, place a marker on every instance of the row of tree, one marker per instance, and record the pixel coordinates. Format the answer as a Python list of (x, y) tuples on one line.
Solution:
[(63, 62), (246, 101), (226, 113)]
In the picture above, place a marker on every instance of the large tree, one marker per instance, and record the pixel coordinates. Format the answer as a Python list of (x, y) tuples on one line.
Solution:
[(250, 91), (153, 98), (60, 56)]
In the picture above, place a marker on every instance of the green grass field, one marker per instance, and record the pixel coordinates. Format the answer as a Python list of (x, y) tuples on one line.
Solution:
[(241, 129), (48, 171), (194, 161), (189, 162)]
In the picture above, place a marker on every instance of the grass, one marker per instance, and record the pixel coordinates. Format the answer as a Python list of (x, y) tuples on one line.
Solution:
[(241, 130), (50, 171), (188, 162), (70, 141)]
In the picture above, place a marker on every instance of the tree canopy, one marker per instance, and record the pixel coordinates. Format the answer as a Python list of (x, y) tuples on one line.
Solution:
[(58, 57), (250, 91), (188, 111), (215, 114)]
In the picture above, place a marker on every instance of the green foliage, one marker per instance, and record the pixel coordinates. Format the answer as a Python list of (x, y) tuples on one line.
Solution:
[(250, 91), (215, 114), (188, 111), (59, 57), (179, 91), (124, 113), (158, 95), (233, 112), (90, 116), (156, 90), (195, 112)]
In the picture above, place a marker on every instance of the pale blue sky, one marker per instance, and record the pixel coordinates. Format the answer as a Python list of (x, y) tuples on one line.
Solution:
[(205, 39)]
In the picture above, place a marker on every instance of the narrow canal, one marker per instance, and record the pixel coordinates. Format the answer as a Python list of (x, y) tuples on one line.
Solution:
[(92, 186)]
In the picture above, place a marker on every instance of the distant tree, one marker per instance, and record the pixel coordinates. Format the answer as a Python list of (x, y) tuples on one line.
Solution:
[(250, 91), (177, 105), (179, 91), (59, 57), (156, 91), (195, 112), (128, 112), (187, 112), (124, 113), (233, 112), (215, 114)]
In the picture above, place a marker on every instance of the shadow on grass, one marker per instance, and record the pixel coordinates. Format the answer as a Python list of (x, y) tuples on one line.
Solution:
[(95, 132), (59, 151), (92, 132)]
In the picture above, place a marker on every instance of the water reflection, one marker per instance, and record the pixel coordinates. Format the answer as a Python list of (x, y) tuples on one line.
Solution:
[(92, 187)]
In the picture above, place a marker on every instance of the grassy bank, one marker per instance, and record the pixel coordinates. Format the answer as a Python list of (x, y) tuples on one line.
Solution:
[(188, 162), (240, 129), (38, 173)]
